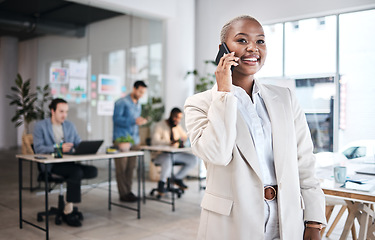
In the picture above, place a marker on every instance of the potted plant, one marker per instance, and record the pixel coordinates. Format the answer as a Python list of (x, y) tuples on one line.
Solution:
[(28, 106), (153, 111), (124, 143), (203, 81), (24, 100)]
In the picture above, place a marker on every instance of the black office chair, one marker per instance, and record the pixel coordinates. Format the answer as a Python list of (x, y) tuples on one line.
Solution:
[(53, 180), (169, 187)]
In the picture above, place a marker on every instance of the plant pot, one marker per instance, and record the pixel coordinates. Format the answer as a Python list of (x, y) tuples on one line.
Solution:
[(124, 146)]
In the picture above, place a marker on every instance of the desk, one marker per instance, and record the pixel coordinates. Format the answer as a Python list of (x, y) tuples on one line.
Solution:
[(77, 158), (358, 203), (166, 149)]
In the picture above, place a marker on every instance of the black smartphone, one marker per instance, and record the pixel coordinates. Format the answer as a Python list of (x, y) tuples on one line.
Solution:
[(223, 49)]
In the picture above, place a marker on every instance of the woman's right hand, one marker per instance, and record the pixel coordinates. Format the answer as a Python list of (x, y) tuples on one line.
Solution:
[(223, 72)]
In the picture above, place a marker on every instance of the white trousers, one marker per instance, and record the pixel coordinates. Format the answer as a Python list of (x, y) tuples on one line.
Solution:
[(165, 161), (271, 220)]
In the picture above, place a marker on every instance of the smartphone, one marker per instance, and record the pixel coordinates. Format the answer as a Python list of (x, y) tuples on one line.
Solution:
[(223, 49)]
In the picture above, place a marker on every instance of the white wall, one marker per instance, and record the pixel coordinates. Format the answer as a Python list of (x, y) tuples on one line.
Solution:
[(8, 72), (180, 52)]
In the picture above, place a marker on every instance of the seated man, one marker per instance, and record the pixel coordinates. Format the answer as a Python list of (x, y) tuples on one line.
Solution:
[(169, 133), (56, 130)]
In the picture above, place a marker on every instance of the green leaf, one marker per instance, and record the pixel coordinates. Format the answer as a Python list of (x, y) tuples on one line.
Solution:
[(15, 118), (19, 81), (122, 139), (15, 89), (16, 101)]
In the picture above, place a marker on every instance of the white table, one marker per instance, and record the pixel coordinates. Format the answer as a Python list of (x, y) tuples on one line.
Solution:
[(77, 158), (171, 150), (358, 202)]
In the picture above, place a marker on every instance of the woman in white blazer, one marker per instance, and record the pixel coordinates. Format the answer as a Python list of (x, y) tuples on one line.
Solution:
[(249, 133)]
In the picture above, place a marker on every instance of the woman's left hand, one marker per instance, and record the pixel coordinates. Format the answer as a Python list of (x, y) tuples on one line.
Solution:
[(311, 234)]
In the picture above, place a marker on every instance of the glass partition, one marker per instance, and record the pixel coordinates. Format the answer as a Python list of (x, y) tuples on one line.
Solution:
[(93, 71)]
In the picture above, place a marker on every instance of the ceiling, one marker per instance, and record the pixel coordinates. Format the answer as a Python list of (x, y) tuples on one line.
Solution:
[(27, 19)]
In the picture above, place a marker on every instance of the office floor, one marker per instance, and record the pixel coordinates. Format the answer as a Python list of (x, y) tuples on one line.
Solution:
[(157, 221)]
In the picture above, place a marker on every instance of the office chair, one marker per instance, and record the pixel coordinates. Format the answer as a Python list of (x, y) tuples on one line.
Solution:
[(169, 187), (27, 140), (53, 180), (330, 205)]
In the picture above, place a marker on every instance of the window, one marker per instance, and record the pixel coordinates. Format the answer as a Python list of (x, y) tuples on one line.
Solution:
[(273, 66), (310, 46), (357, 85)]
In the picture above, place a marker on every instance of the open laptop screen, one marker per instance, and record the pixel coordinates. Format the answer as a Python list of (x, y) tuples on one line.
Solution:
[(88, 147)]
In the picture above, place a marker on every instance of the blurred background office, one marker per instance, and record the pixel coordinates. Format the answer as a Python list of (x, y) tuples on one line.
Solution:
[(91, 52)]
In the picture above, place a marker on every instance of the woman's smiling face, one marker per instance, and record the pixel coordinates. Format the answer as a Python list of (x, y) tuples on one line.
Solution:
[(246, 38)]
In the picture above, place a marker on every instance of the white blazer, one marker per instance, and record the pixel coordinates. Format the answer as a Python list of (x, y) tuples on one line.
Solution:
[(232, 206)]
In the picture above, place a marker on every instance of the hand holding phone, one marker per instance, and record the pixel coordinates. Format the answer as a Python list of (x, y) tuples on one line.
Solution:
[(223, 49), (223, 76)]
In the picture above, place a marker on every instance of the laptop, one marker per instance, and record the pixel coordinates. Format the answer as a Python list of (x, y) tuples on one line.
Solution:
[(367, 171), (87, 147)]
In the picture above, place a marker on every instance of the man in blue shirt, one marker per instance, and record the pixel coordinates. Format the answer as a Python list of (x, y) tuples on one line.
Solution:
[(126, 121), (56, 130)]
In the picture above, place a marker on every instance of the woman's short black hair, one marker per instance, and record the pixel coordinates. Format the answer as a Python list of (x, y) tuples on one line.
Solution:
[(54, 102)]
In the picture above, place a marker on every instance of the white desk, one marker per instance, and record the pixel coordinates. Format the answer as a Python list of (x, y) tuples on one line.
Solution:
[(171, 150), (167, 149), (358, 202), (77, 158)]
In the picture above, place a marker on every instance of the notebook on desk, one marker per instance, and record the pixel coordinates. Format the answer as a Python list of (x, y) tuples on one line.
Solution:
[(87, 147)]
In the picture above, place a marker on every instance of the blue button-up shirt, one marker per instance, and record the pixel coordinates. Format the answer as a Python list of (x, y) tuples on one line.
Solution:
[(124, 116)]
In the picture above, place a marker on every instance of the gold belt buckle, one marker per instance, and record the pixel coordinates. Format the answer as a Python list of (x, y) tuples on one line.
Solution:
[(273, 193)]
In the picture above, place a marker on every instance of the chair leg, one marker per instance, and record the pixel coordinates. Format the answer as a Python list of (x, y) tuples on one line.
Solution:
[(329, 210), (354, 233), (57, 211), (339, 215), (60, 211)]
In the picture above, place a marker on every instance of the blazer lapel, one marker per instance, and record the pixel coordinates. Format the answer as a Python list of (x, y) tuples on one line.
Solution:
[(277, 115), (246, 146)]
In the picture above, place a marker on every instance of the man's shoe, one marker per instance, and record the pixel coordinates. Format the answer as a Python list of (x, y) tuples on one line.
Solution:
[(77, 213), (180, 184), (72, 220), (130, 197)]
